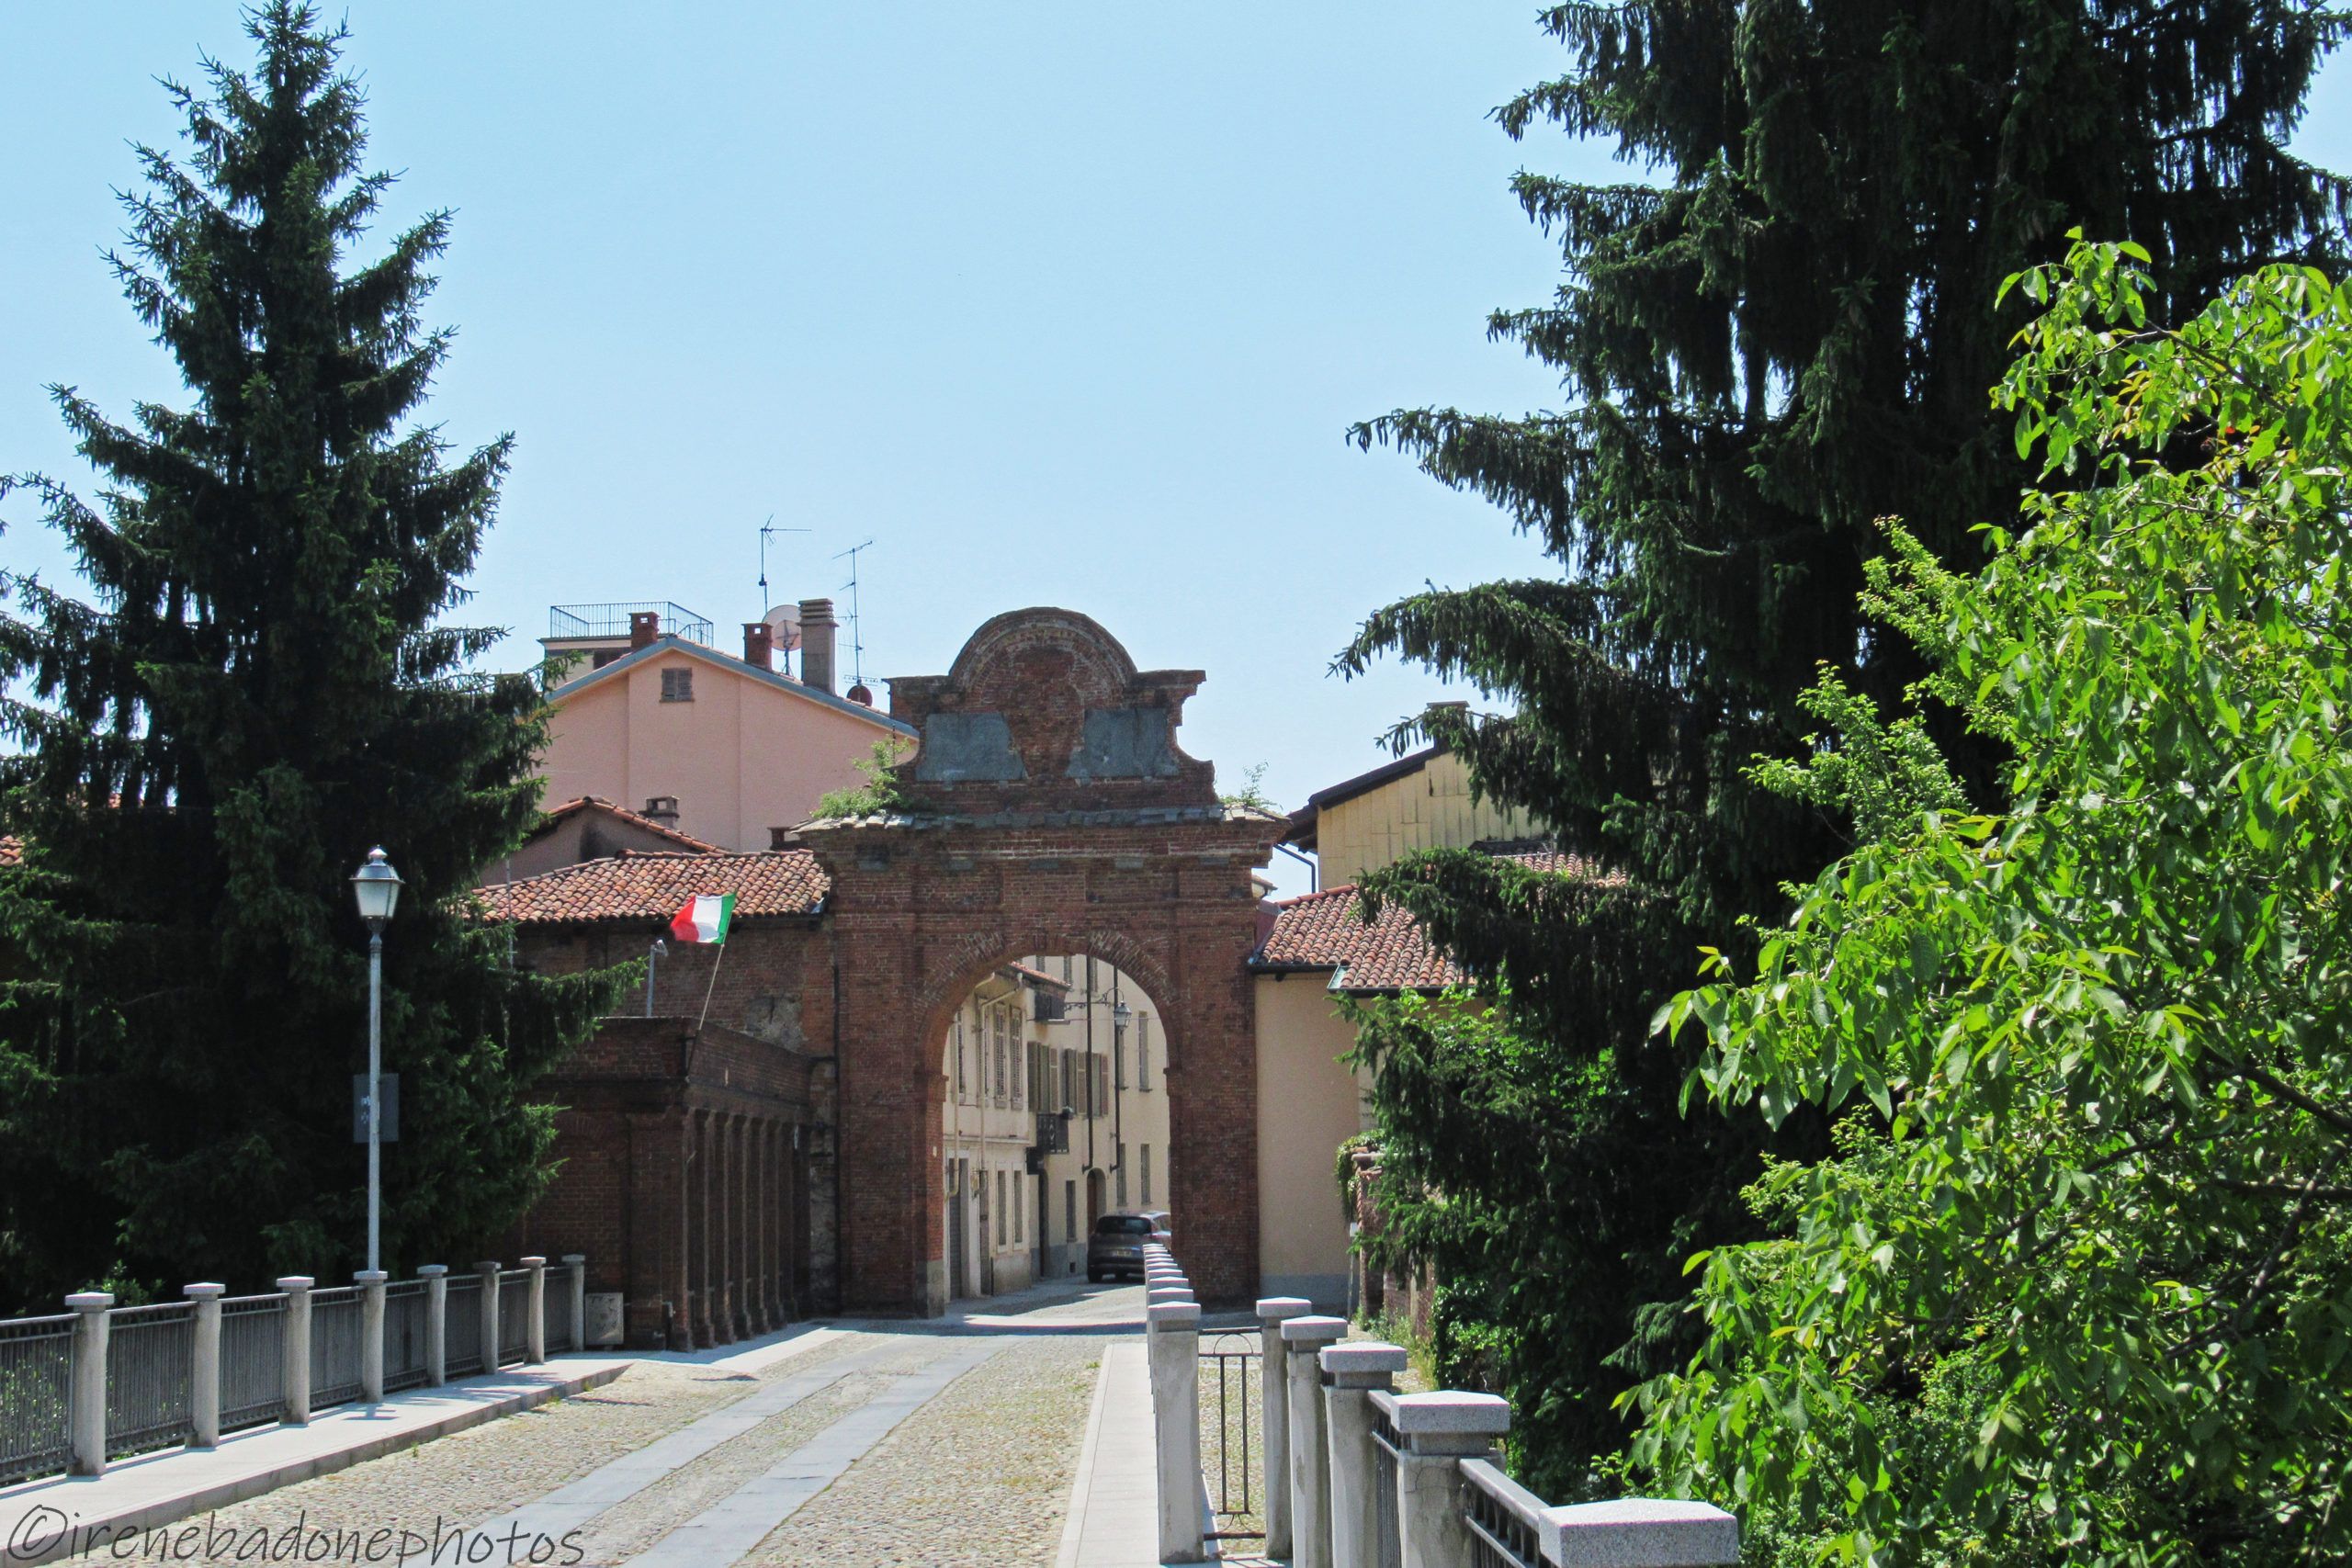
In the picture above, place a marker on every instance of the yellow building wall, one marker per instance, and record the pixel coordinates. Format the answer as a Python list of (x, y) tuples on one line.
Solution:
[(1430, 809), (1309, 1104)]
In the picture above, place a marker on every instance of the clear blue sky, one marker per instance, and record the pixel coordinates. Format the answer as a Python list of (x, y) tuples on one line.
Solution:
[(1057, 302)]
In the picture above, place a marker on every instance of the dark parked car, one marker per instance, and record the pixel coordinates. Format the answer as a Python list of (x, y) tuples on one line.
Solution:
[(1116, 1246)]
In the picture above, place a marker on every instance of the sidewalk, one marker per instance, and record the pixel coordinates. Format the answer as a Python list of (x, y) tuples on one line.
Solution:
[(44, 1520), (1115, 1498)]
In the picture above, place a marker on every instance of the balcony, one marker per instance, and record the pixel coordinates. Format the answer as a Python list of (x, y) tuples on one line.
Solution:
[(1053, 1134)]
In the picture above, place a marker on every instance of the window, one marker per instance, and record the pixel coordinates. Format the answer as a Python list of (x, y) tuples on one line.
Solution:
[(1101, 1105), (961, 1093), (1068, 973), (1144, 1170), (1069, 1211), (1119, 1055), (1014, 1052), (1123, 1175), (999, 1073), (677, 685), (1069, 1081), (1143, 1052), (1000, 1208), (1020, 1201)]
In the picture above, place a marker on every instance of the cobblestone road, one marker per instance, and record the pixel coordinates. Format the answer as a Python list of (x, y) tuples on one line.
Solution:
[(872, 1446)]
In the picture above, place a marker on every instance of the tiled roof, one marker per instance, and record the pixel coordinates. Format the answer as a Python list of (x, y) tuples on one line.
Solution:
[(1328, 931), (634, 819), (647, 889)]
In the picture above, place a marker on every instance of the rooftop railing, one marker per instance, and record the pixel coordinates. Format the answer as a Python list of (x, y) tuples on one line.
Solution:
[(612, 620)]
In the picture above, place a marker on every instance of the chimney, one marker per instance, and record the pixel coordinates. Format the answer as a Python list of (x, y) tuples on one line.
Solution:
[(662, 809), (758, 645), (644, 627), (817, 643)]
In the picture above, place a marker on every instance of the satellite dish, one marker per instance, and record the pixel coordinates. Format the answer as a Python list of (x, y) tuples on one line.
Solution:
[(783, 624)]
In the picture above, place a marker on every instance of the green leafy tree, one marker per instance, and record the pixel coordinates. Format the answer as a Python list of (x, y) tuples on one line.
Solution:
[(2079, 1285), (261, 688), (1781, 331)]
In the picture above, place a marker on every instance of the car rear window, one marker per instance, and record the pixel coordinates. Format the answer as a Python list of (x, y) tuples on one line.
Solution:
[(1123, 1224)]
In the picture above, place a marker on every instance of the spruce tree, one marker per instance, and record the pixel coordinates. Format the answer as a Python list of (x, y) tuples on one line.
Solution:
[(260, 687), (1783, 331)]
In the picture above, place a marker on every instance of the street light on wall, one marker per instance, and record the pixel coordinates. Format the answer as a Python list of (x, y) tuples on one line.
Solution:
[(376, 888)]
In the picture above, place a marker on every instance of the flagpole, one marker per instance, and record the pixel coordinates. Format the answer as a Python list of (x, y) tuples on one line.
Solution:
[(717, 960)]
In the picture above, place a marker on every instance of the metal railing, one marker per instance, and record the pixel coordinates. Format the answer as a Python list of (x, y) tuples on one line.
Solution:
[(1233, 1360), (406, 1306), (514, 1315), (612, 620), (36, 1380), (1503, 1517), (563, 1331), (253, 1361), (1387, 1546), (335, 1324), (150, 1365), (463, 1343)]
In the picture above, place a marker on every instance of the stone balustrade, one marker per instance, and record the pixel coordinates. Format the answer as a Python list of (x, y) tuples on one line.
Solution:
[(180, 1374), (1361, 1476)]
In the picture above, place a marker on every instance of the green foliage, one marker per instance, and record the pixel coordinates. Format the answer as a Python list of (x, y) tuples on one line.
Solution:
[(1781, 338), (1252, 795), (880, 791), (1343, 1171), (261, 689), (2078, 1286)]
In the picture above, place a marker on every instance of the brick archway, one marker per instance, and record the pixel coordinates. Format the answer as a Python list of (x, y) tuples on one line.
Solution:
[(1047, 809)]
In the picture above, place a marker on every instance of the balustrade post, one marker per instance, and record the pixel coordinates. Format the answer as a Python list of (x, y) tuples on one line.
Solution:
[(371, 1334), (204, 1367), (298, 1349), (534, 1330), (1274, 1388), (1174, 1350), (575, 1264), (86, 1414), (490, 1358), (436, 1324), (1435, 1432), (1310, 1448), (1352, 1373)]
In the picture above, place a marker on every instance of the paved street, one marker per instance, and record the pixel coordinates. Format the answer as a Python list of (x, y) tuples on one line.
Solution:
[(857, 1444)]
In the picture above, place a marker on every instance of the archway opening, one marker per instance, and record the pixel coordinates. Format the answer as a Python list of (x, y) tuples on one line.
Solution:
[(1054, 1115)]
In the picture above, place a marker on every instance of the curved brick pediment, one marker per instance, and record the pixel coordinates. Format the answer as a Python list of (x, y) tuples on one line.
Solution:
[(1044, 711)]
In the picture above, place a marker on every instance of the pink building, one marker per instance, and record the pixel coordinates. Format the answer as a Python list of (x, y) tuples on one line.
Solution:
[(721, 749)]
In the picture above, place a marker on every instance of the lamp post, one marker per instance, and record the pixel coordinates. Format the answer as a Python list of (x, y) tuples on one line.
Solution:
[(376, 886), (1120, 1014)]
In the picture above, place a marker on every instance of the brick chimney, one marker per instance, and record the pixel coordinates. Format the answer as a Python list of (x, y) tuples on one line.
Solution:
[(758, 645), (817, 643), (644, 627)]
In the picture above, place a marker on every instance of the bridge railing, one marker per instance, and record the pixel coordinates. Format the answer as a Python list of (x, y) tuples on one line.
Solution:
[(102, 1382), (1358, 1475)]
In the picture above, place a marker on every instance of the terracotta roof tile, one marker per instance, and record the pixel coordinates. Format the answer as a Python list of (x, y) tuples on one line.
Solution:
[(638, 889), (1328, 931), (1039, 976), (634, 819), (12, 850)]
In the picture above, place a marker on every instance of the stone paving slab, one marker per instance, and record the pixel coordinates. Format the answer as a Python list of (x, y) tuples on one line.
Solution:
[(726, 1533), (41, 1521), (570, 1506), (1114, 1498)]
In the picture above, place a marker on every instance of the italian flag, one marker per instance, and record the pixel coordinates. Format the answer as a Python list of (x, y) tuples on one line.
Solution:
[(705, 918)]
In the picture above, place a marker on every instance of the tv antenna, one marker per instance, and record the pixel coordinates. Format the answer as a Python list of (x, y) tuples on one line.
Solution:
[(856, 647), (767, 528)]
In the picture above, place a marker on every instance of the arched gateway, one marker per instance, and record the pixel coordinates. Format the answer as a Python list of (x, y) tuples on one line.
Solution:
[(760, 1139), (1047, 809)]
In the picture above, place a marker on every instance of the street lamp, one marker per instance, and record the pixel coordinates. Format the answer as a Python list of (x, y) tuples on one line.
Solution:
[(377, 887)]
